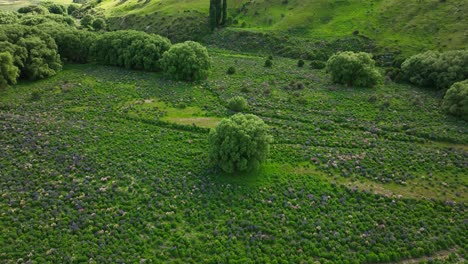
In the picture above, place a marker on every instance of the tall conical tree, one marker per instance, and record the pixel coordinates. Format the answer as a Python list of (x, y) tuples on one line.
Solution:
[(218, 13)]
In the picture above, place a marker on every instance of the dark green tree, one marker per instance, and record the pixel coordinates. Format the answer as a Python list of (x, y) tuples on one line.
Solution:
[(218, 13)]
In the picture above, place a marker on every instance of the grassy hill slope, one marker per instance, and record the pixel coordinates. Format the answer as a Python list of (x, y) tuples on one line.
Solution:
[(408, 25)]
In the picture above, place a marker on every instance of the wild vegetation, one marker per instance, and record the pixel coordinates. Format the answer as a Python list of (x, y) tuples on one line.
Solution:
[(120, 146)]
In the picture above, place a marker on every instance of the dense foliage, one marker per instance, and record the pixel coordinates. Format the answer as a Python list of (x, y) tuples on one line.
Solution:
[(87, 21), (131, 49), (456, 100), (435, 69), (8, 71), (34, 9), (34, 52), (73, 45), (187, 61), (240, 143), (237, 104), (353, 69)]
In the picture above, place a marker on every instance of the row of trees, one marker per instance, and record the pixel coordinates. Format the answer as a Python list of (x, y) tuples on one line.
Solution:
[(35, 52)]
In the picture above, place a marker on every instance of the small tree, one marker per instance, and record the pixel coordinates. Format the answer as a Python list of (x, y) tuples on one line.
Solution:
[(188, 61), (456, 100), (72, 8), (8, 71), (240, 143), (268, 63), (353, 69), (300, 63), (237, 103)]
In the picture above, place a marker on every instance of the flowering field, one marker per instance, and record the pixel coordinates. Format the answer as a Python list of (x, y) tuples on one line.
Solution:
[(95, 166)]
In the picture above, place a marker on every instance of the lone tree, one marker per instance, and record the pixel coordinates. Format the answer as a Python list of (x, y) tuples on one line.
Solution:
[(240, 143), (218, 13)]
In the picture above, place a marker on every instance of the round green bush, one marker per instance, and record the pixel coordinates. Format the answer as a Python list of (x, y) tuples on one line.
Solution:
[(268, 63), (353, 69), (99, 24), (187, 61), (456, 100), (231, 70), (436, 70), (237, 103), (87, 21), (300, 63), (240, 143)]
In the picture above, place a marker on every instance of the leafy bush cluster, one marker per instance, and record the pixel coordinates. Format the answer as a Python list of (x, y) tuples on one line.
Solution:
[(130, 49), (456, 100), (353, 69), (34, 52), (188, 61), (8, 71), (240, 143), (435, 69)]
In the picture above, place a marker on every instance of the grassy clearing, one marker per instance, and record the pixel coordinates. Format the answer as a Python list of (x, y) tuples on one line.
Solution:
[(95, 167), (410, 26)]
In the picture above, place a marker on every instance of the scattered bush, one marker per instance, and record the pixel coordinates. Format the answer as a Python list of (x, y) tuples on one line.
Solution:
[(187, 61), (268, 63), (131, 49), (231, 70), (293, 86), (87, 21), (300, 63), (99, 24), (72, 8), (317, 64), (8, 71), (435, 69), (237, 103), (353, 69), (455, 101), (240, 143)]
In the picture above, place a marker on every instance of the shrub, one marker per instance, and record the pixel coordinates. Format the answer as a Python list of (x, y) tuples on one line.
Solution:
[(231, 70), (237, 103), (317, 64), (8, 17), (353, 69), (56, 9), (436, 70), (130, 49), (72, 8), (455, 101), (300, 63), (187, 61), (99, 24), (8, 71), (33, 9), (240, 143), (268, 63), (87, 21)]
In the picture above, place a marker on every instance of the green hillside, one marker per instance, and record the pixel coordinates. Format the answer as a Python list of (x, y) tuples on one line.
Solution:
[(408, 25)]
